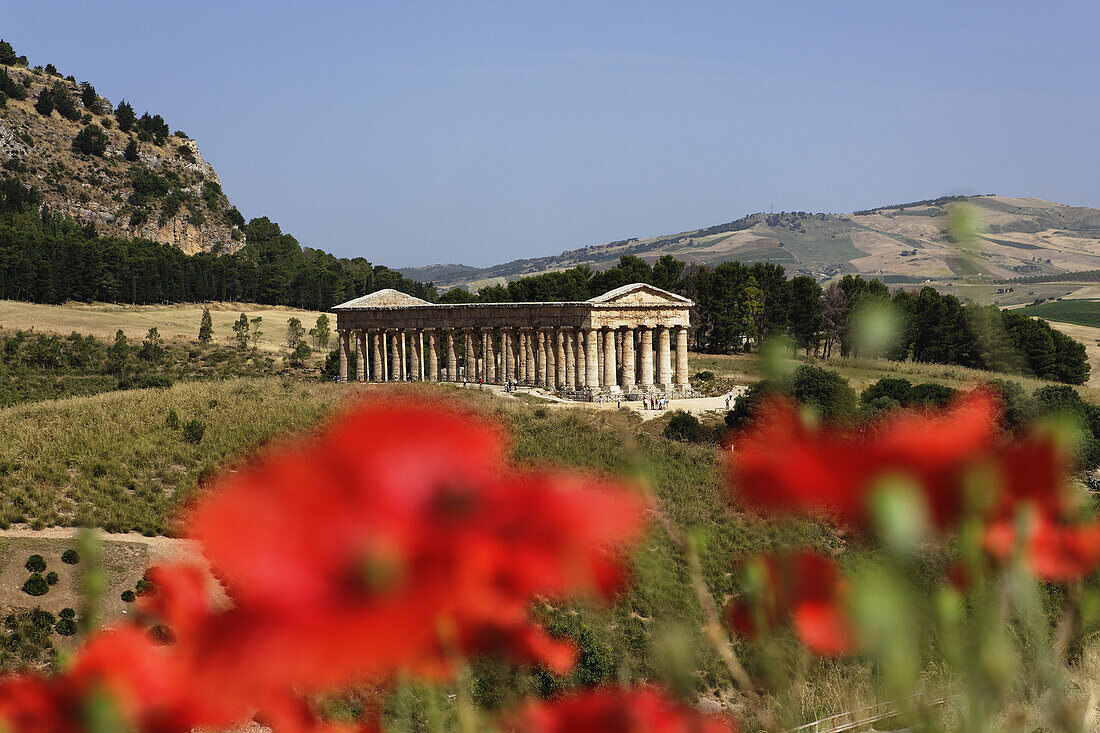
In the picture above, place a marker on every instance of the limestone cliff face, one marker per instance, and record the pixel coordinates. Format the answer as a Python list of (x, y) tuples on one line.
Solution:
[(170, 194)]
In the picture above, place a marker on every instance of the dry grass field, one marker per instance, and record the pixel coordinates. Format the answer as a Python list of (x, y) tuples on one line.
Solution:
[(172, 321)]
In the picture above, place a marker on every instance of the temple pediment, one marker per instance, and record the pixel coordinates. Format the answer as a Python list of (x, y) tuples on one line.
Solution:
[(387, 298), (639, 294)]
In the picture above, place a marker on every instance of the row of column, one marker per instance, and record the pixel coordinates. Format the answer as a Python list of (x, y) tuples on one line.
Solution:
[(565, 358)]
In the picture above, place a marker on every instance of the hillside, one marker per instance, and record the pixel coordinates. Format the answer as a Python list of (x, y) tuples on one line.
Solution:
[(1019, 237), (160, 189)]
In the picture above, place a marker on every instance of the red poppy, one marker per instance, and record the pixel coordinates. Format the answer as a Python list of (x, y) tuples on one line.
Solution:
[(1054, 551), (398, 539), (617, 710), (782, 465), (804, 587)]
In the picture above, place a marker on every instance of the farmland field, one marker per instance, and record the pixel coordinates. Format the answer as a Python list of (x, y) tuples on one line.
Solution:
[(1077, 312)]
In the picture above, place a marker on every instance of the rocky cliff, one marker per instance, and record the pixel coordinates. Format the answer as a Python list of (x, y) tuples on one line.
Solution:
[(161, 189)]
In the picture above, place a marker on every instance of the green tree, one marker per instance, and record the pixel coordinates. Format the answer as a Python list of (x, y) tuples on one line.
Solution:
[(240, 331), (44, 103), (92, 140), (206, 327), (294, 332), (805, 312), (152, 348), (7, 54), (131, 152), (63, 101), (256, 332), (321, 332), (124, 116), (752, 310), (118, 356), (89, 98)]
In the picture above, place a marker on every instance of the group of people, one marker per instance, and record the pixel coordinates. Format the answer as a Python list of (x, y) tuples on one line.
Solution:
[(655, 403)]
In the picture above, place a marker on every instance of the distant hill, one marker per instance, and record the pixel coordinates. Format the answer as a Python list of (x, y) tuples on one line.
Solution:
[(1020, 237), (69, 142)]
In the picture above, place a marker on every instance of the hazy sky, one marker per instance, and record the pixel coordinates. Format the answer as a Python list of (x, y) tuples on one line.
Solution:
[(478, 132)]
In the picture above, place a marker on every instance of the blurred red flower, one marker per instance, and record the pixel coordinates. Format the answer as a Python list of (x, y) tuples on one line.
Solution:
[(782, 465), (395, 540), (802, 586), (616, 710), (1054, 551)]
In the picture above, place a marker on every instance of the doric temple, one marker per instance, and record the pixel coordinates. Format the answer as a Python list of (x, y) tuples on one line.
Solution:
[(631, 341)]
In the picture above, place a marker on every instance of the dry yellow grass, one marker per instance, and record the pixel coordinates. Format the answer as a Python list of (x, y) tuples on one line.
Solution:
[(180, 321)]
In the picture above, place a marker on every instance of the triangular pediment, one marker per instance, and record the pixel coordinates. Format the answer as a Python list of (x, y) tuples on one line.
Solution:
[(639, 294), (388, 298)]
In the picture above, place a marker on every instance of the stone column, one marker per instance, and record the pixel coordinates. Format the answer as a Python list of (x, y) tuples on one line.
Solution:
[(395, 356), (682, 357), (521, 356), (345, 352), (548, 357), (361, 356), (591, 359), (467, 355), (664, 362), (507, 348), (629, 367), (647, 356), (532, 370), (609, 375), (452, 355), (579, 361), (488, 348), (559, 358), (570, 359), (376, 374), (433, 356), (416, 352), (540, 358), (599, 357)]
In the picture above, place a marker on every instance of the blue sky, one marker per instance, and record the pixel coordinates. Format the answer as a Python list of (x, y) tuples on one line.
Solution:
[(412, 133)]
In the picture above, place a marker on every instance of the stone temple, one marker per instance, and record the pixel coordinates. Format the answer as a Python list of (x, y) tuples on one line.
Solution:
[(631, 342)]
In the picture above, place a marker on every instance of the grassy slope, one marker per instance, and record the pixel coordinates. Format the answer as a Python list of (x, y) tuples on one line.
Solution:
[(172, 321)]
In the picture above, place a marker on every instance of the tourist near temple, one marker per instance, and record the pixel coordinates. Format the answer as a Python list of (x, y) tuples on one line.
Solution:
[(630, 342)]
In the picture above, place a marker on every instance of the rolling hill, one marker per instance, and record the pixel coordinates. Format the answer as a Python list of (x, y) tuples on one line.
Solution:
[(904, 243)]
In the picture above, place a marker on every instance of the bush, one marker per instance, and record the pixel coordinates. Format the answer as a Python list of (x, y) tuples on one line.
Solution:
[(745, 404), (35, 563), (128, 596), (67, 613), (42, 619), (892, 388), (144, 586), (52, 578), (92, 140), (70, 557), (193, 430), (685, 427), (66, 627), (931, 394), (173, 419), (36, 585), (703, 376), (825, 390)]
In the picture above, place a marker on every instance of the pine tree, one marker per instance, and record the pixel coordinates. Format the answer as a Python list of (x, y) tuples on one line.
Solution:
[(44, 105), (294, 332), (124, 116), (89, 98), (7, 54), (240, 330), (206, 327), (131, 152)]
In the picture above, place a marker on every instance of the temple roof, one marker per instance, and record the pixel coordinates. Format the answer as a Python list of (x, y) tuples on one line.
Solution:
[(388, 298), (638, 293)]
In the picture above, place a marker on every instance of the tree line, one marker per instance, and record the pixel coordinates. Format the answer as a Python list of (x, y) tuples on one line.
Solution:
[(47, 258), (738, 306)]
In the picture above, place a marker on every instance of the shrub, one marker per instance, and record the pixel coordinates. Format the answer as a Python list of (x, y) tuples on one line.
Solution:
[(685, 427), (70, 557), (173, 419), (703, 376), (931, 394), (66, 627), (128, 596), (42, 619), (52, 577), (67, 613), (895, 389), (36, 585), (144, 586), (825, 390), (36, 563), (194, 430), (92, 140)]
